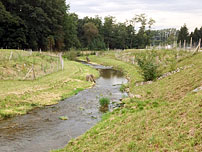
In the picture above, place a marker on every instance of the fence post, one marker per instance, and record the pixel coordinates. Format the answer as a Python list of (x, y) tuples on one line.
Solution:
[(34, 76), (11, 55), (31, 52), (184, 44), (191, 41), (180, 44)]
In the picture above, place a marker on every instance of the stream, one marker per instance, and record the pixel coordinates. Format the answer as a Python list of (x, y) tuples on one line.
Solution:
[(41, 130)]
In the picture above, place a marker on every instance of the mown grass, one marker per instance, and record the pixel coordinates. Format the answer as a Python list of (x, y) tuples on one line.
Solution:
[(18, 97), (168, 117)]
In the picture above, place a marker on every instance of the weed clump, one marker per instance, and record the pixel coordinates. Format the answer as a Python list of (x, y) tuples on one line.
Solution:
[(123, 88), (104, 102)]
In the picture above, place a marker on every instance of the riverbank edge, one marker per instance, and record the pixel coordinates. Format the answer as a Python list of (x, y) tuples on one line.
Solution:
[(99, 138), (56, 100)]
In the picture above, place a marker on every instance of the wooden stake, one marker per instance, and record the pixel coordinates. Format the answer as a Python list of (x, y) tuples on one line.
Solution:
[(31, 52), (11, 55), (191, 41), (184, 44), (34, 76), (58, 63), (180, 44), (61, 61), (27, 73)]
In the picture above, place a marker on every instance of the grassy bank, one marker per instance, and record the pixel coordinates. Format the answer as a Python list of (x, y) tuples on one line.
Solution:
[(167, 117), (19, 96)]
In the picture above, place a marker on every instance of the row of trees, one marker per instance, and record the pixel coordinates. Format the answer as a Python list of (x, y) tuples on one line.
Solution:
[(48, 25), (164, 36), (93, 33), (38, 24), (184, 35)]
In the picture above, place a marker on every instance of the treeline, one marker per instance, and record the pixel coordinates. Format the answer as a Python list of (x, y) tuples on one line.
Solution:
[(93, 33), (37, 24), (48, 25), (192, 37)]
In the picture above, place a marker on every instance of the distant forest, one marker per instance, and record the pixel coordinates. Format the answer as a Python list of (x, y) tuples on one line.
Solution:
[(48, 25)]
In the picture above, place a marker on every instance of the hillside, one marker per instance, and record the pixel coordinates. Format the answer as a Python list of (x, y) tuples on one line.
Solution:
[(164, 115), (19, 95)]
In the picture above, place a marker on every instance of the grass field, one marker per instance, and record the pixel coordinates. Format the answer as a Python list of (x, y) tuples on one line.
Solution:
[(167, 117), (19, 96)]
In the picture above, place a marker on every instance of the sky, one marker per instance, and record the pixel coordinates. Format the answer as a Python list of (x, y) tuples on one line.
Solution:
[(166, 13)]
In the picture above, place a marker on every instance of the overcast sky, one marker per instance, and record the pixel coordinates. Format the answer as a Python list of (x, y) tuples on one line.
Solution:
[(166, 13)]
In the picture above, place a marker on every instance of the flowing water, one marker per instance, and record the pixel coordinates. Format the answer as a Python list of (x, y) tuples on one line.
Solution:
[(41, 130)]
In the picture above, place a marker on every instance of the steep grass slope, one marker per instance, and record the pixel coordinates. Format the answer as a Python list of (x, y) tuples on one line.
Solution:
[(167, 117)]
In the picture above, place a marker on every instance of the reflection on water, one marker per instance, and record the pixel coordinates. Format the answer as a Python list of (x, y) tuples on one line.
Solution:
[(109, 73), (111, 77)]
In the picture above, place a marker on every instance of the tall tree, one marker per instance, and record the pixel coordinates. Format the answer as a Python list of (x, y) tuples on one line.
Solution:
[(108, 30), (196, 35), (183, 34), (143, 35), (90, 31), (70, 26)]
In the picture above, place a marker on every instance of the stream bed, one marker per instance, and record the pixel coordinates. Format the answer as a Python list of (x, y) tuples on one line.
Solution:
[(41, 130)]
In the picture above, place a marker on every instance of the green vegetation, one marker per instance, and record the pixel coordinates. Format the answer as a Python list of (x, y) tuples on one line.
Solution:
[(148, 66), (15, 65), (63, 118), (48, 25), (123, 88), (71, 55), (104, 102), (167, 117), (18, 96)]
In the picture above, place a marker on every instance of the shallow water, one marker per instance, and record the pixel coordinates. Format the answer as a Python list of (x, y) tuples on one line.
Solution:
[(41, 130)]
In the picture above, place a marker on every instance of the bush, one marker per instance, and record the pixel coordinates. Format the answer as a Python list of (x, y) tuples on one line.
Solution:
[(104, 102), (148, 66), (71, 55)]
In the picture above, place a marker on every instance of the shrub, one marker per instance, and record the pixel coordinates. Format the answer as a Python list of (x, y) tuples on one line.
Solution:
[(148, 66), (70, 55), (104, 102)]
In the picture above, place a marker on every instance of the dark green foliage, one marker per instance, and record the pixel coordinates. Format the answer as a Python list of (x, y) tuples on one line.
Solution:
[(71, 55), (183, 34), (148, 66), (97, 44), (48, 25), (196, 35), (104, 102), (39, 24)]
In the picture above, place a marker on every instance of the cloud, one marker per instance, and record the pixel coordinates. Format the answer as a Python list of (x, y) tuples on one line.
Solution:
[(167, 13)]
